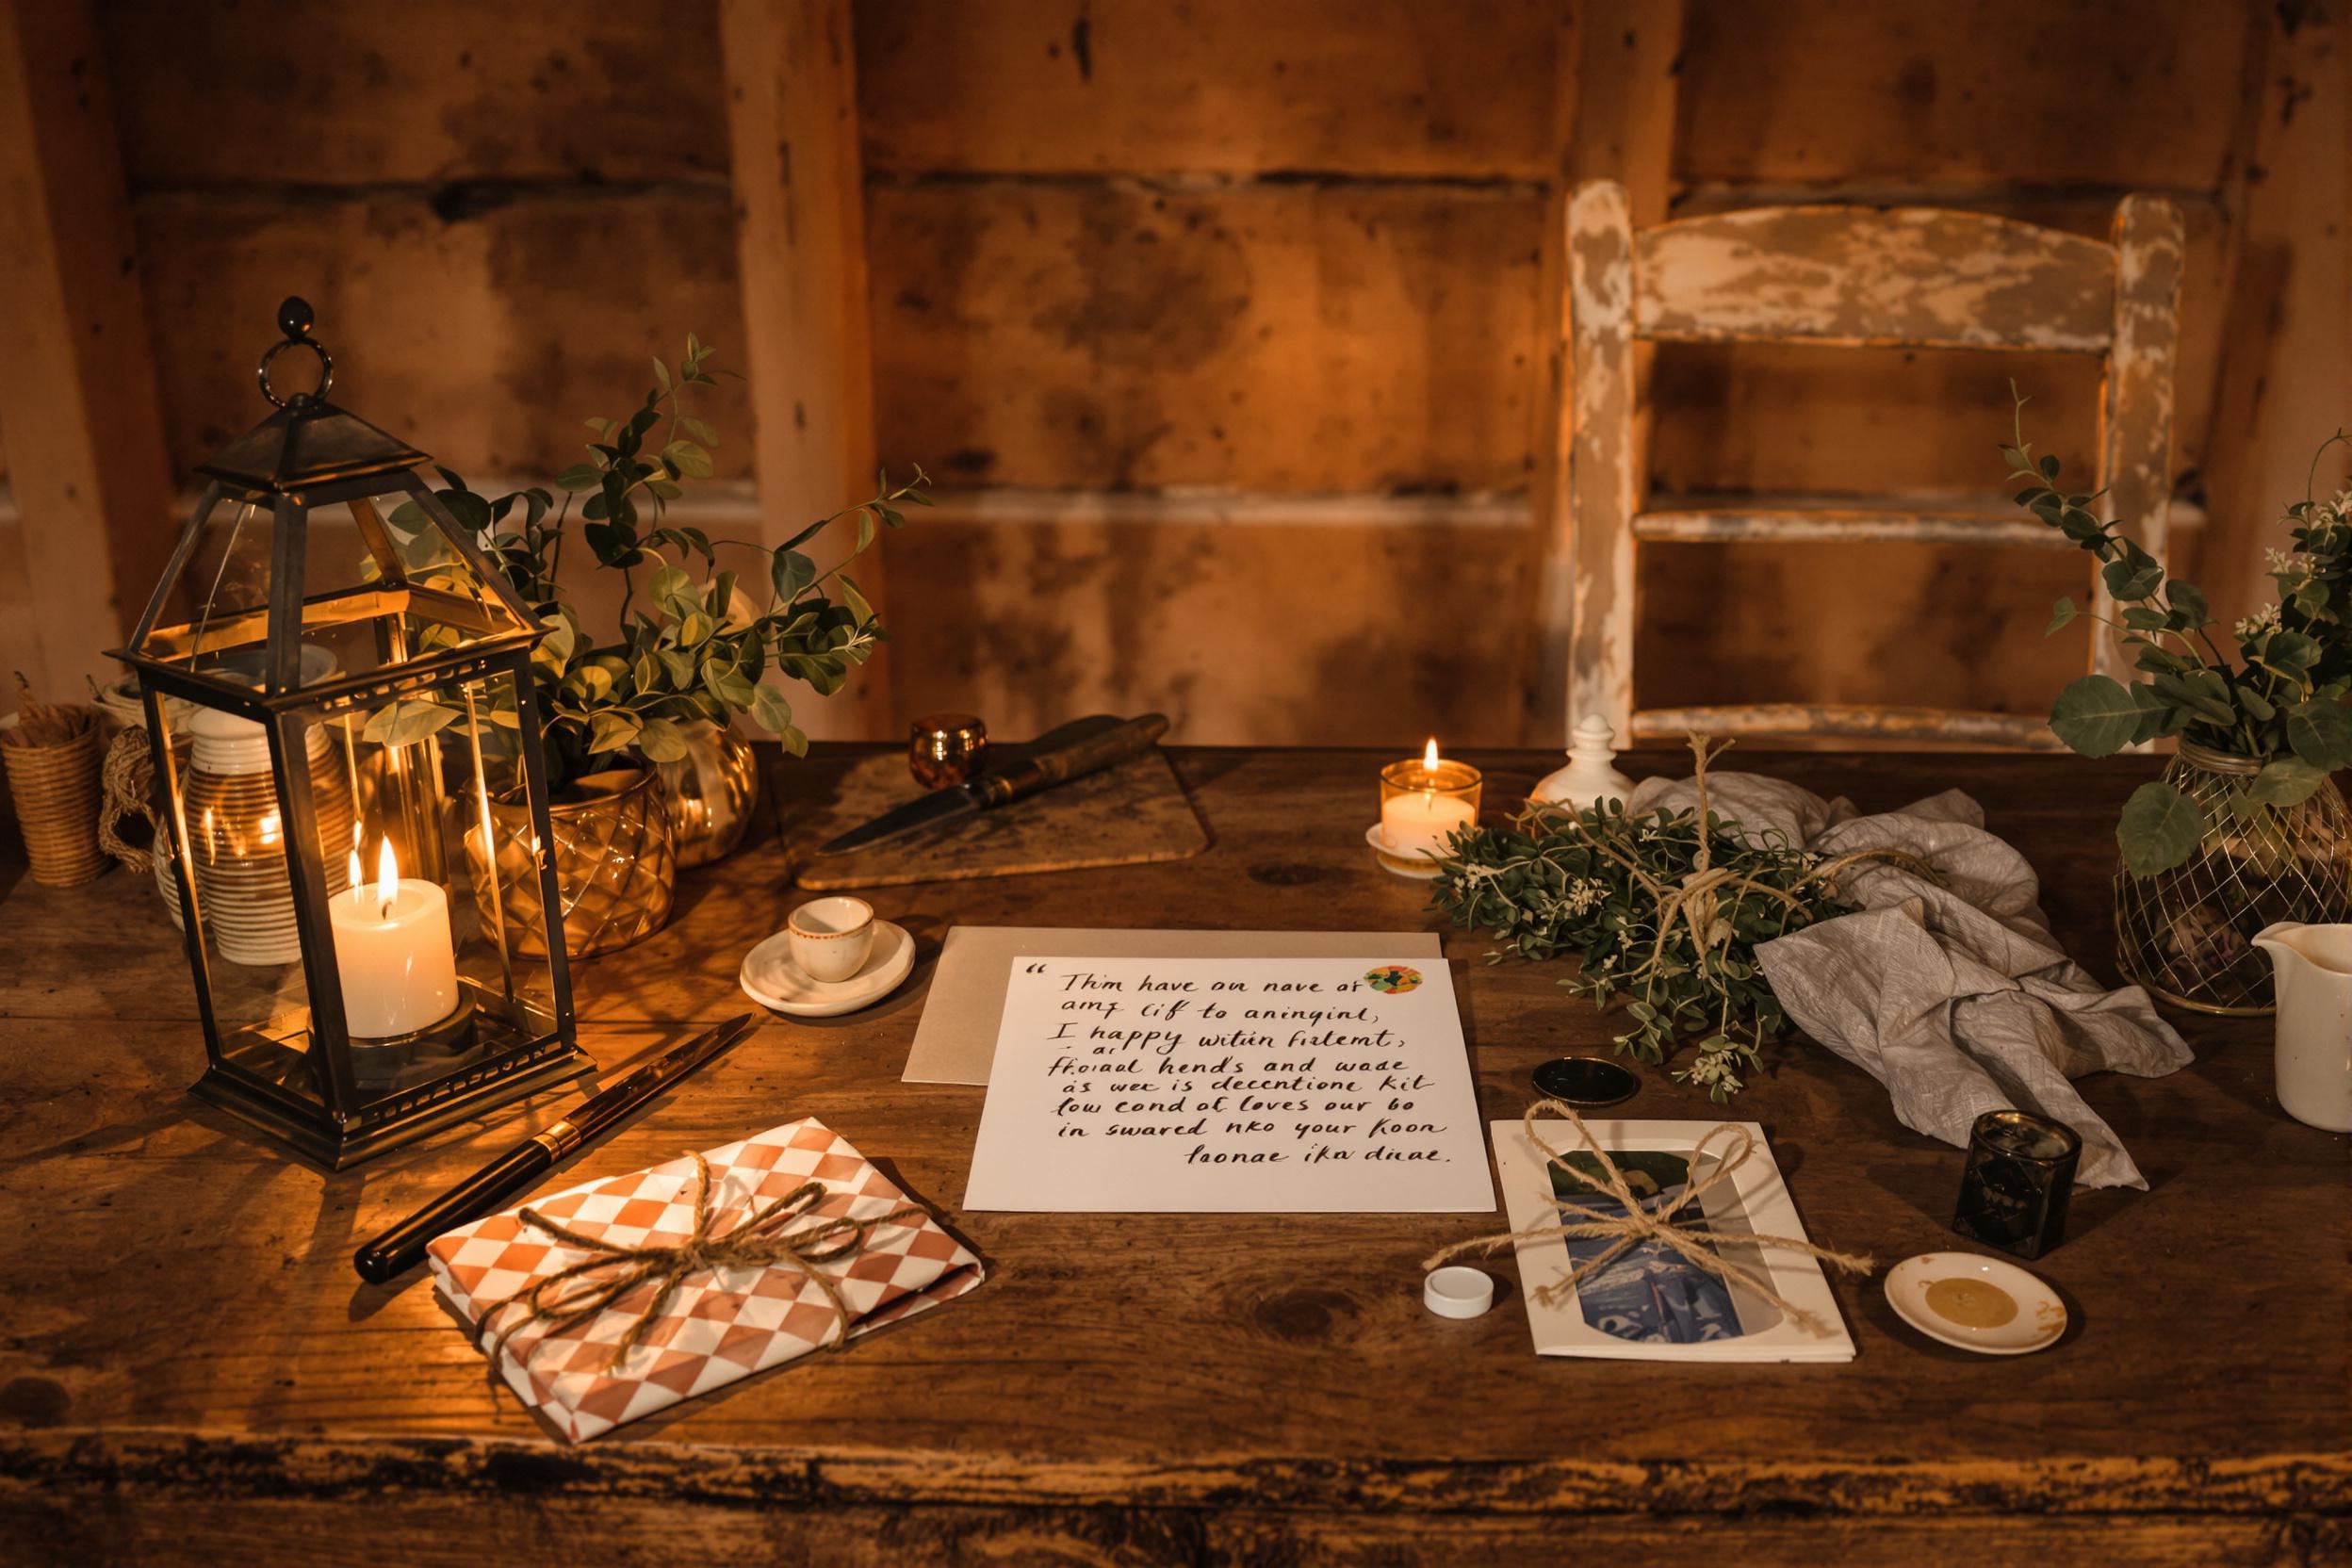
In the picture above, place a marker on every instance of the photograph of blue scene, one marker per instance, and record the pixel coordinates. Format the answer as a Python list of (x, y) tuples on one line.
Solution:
[(1649, 1294)]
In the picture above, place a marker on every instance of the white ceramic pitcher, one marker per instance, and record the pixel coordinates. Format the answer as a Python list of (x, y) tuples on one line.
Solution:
[(2313, 969)]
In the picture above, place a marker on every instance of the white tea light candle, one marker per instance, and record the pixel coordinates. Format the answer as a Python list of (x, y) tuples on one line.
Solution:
[(1423, 803), (392, 946)]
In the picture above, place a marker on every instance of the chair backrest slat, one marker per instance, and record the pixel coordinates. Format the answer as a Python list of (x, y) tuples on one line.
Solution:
[(1913, 276)]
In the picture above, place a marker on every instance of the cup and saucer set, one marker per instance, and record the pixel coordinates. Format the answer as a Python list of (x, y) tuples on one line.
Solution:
[(833, 955)]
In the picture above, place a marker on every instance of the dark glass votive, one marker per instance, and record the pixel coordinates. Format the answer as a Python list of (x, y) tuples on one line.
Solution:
[(2020, 1173)]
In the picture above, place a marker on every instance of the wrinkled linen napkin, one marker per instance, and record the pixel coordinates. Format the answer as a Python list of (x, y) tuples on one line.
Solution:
[(1957, 997), (723, 1324)]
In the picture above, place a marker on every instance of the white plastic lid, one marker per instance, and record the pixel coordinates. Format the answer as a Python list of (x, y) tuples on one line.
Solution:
[(1458, 1290)]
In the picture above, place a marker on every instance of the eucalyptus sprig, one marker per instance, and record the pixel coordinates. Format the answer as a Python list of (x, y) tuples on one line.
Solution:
[(2280, 703), (701, 645), (1665, 910)]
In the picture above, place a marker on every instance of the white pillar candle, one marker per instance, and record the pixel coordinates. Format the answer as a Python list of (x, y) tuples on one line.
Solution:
[(393, 948), (1422, 820)]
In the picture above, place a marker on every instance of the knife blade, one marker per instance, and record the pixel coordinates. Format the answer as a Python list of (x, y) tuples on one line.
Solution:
[(402, 1247), (1025, 774)]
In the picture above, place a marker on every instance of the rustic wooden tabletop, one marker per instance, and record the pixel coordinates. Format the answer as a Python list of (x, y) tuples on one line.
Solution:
[(187, 1363)]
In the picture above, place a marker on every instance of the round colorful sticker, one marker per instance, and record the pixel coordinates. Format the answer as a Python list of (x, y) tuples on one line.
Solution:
[(1393, 979)]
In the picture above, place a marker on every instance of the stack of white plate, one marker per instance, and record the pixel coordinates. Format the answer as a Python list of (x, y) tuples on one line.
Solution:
[(239, 843)]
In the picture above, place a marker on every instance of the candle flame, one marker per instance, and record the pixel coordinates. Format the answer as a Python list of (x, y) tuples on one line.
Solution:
[(387, 876), (358, 876), (1429, 755)]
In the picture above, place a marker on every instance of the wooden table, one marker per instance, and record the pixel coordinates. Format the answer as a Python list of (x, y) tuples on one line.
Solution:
[(188, 1365)]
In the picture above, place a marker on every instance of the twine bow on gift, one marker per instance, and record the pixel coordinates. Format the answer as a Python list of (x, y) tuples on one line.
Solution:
[(1653, 1222), (764, 1240)]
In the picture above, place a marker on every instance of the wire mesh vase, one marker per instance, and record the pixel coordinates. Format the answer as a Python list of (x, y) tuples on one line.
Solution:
[(2187, 934)]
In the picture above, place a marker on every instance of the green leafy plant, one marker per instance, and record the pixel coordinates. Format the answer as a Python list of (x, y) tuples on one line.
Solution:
[(2281, 702), (697, 643), (1665, 910)]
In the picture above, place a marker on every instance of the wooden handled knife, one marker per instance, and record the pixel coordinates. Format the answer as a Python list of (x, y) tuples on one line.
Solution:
[(1093, 749)]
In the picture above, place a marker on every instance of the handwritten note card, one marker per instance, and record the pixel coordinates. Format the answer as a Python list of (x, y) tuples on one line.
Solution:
[(1230, 1086)]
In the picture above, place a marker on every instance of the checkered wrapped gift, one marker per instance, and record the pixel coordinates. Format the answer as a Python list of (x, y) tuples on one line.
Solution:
[(719, 1325)]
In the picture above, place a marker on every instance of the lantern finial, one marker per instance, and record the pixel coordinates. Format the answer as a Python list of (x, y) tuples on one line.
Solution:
[(294, 318)]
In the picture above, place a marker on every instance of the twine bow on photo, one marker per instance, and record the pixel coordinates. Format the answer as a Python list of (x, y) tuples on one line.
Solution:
[(1652, 1221)]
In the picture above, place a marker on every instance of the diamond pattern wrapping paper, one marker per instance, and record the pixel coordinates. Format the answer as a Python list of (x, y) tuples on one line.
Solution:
[(720, 1326)]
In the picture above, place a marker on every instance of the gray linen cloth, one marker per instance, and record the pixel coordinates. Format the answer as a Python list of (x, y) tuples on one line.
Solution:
[(1957, 997)]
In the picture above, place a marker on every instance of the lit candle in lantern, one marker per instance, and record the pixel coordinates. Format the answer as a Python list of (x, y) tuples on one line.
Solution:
[(392, 945), (1423, 803)]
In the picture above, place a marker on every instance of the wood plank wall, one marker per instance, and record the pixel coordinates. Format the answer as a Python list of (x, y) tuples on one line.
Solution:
[(1224, 323)]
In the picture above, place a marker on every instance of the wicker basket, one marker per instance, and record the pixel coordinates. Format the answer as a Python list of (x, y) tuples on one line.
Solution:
[(57, 792)]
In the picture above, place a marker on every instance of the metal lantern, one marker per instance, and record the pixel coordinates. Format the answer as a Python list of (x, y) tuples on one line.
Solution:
[(358, 804)]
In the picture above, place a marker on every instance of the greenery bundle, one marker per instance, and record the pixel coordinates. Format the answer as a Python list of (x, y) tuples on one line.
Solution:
[(698, 646), (1665, 910), (2281, 702)]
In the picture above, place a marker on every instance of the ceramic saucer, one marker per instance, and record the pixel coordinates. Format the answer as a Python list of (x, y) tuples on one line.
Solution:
[(1395, 863), (1976, 1302), (772, 979)]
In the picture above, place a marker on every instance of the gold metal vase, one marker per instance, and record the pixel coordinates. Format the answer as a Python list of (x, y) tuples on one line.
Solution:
[(711, 792), (2187, 934), (616, 864)]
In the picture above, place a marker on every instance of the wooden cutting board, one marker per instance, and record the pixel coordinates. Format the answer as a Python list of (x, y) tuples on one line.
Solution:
[(1129, 814)]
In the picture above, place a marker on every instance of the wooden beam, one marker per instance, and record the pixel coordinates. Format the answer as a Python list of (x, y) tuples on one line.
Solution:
[(78, 412), (801, 235), (2286, 379)]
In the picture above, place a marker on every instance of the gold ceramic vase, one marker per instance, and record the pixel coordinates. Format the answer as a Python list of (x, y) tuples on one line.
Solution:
[(615, 864), (712, 792), (2187, 934)]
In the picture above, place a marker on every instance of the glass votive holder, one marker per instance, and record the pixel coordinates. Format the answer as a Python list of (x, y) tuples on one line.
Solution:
[(946, 749), (2019, 1175), (1424, 803)]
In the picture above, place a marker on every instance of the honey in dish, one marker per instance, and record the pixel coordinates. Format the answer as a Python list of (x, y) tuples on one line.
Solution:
[(1971, 1303)]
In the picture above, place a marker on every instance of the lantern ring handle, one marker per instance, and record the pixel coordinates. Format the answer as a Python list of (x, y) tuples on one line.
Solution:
[(326, 370)]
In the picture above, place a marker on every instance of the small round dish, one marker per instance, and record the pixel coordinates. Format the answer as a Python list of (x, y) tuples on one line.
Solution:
[(1415, 866), (771, 978), (1977, 1303)]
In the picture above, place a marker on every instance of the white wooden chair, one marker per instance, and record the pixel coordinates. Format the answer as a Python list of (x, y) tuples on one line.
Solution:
[(1844, 275)]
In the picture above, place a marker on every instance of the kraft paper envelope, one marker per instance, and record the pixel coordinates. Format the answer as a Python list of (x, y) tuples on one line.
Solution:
[(956, 1038)]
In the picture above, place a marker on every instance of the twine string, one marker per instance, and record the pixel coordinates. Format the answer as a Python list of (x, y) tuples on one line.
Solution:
[(128, 779), (1653, 1221), (1695, 900), (572, 1295)]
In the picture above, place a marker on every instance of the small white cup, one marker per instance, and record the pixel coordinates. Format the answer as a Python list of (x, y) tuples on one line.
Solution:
[(831, 937)]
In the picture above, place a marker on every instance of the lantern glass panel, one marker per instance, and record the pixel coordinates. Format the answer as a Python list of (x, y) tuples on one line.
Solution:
[(219, 598), (439, 928), (243, 916)]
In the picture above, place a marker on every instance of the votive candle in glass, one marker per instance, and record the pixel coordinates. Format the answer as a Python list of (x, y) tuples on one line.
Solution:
[(1425, 801), (2020, 1174)]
